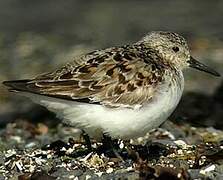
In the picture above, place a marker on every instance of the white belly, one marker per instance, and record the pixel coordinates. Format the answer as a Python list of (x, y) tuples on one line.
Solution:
[(122, 123)]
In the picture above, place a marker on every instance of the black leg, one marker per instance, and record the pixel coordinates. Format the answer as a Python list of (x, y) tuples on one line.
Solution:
[(111, 145), (87, 140)]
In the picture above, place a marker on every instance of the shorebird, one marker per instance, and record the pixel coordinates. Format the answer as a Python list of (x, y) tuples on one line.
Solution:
[(122, 92)]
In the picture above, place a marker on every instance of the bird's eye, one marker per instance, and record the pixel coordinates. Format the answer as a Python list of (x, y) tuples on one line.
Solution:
[(175, 49)]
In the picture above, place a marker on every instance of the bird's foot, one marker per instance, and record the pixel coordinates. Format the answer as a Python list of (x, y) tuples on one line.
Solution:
[(110, 148)]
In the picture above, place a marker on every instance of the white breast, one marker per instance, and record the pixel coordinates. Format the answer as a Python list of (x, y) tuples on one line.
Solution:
[(122, 123)]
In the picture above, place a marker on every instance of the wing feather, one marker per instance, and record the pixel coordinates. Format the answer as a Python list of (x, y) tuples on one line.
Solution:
[(112, 77)]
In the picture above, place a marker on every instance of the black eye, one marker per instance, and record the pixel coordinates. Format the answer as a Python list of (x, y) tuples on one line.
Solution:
[(175, 49)]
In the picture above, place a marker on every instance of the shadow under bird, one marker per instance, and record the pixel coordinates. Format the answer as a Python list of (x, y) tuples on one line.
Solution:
[(122, 92)]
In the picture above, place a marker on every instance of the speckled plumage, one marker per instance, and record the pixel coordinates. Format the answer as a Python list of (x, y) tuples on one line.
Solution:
[(111, 77), (142, 79)]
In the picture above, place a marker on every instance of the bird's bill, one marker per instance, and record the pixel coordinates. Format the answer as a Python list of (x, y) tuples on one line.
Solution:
[(197, 65)]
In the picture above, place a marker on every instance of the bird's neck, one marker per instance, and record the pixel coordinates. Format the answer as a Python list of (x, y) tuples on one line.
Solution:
[(150, 55)]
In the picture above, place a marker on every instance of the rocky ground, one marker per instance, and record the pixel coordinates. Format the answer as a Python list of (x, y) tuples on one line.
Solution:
[(186, 152)]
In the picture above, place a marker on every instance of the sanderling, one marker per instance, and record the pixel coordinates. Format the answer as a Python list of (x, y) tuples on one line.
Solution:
[(122, 92)]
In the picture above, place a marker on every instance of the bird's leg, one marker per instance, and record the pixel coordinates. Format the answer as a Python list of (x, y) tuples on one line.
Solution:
[(108, 143), (134, 155), (87, 140)]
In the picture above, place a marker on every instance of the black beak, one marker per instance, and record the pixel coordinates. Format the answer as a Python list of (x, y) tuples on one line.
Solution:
[(197, 65)]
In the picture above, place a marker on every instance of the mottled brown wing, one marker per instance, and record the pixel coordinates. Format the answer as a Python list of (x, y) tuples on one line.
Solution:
[(111, 77)]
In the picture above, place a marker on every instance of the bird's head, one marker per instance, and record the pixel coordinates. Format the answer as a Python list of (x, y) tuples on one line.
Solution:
[(173, 50)]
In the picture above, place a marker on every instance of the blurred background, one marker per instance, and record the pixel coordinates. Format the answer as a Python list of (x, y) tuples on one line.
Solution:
[(37, 36)]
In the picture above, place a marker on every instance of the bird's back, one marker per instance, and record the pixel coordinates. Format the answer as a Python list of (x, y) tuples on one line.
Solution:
[(113, 77)]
